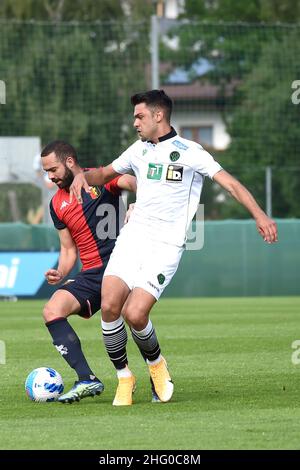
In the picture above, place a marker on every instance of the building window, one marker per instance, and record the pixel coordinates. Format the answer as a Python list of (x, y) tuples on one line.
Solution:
[(201, 134)]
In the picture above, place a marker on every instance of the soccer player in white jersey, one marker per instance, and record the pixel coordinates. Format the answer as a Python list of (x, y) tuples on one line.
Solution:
[(170, 171)]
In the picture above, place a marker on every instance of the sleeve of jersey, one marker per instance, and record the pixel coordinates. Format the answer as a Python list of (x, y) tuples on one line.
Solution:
[(122, 164), (205, 164), (58, 224), (113, 187)]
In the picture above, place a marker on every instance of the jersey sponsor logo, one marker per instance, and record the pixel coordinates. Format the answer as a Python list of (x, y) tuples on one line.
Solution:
[(64, 204), (174, 156), (154, 171), (94, 192), (180, 145), (174, 173)]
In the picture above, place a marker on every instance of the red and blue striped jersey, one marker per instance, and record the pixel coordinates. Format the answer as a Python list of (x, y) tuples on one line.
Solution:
[(94, 224)]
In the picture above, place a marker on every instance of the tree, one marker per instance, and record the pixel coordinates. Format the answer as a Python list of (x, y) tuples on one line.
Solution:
[(252, 11), (72, 81), (244, 58), (265, 126), (75, 10)]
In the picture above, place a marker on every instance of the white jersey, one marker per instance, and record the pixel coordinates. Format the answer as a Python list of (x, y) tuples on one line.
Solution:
[(170, 177)]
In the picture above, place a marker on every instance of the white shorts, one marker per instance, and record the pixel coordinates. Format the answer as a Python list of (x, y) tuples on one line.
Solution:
[(142, 262)]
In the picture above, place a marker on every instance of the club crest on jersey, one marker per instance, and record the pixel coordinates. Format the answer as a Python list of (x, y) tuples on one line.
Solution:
[(161, 278), (94, 192), (174, 156), (154, 171), (174, 173)]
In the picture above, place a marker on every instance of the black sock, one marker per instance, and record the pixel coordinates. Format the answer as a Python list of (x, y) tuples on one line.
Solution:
[(68, 345), (115, 340), (146, 341)]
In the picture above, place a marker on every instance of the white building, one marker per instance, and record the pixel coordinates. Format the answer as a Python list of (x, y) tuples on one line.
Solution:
[(198, 113), (198, 106)]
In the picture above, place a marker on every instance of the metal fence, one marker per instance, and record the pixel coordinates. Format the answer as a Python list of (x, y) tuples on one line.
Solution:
[(235, 89), (232, 261)]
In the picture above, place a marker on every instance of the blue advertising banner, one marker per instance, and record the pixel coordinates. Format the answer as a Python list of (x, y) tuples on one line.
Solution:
[(22, 274)]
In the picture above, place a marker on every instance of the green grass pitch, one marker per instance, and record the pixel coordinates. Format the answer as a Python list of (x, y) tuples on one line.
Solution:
[(230, 359)]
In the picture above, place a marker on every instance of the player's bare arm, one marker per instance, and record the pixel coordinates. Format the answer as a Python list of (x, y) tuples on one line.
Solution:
[(129, 212), (266, 227), (67, 258), (99, 177), (127, 182)]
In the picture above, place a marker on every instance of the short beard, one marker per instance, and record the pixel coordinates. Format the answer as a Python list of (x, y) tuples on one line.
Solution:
[(67, 180)]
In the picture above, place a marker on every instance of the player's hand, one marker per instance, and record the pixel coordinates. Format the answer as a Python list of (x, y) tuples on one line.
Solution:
[(79, 182), (267, 228), (128, 213), (53, 276)]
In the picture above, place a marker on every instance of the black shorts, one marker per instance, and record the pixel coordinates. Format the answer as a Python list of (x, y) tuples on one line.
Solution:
[(86, 288)]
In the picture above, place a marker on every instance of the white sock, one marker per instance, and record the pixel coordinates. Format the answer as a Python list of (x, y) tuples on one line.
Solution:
[(156, 361), (147, 343), (115, 340), (124, 372), (112, 324), (145, 331)]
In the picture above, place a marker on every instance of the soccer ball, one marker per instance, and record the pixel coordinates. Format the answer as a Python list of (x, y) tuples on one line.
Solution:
[(44, 384)]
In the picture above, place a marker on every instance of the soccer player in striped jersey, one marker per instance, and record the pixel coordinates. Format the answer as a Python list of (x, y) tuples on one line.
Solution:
[(90, 229)]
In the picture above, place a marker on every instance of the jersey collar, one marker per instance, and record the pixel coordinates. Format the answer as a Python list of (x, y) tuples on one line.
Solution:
[(167, 136), (170, 134)]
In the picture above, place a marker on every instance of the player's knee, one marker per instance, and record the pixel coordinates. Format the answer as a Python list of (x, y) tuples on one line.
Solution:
[(136, 318), (110, 310), (50, 313), (47, 313)]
